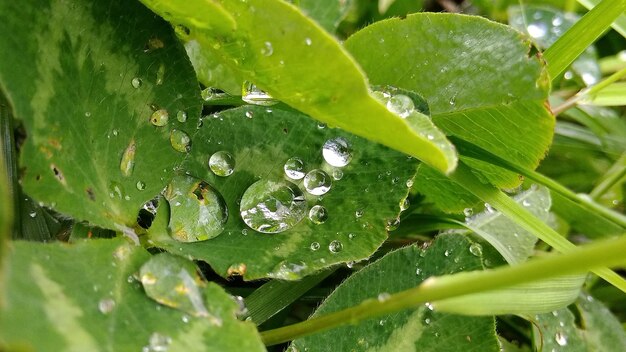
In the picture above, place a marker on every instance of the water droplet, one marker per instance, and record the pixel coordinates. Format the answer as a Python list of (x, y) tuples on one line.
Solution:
[(468, 212), (181, 116), (409, 183), (476, 249), (267, 49), (351, 236), (294, 168), (32, 214), (180, 141), (418, 271), (489, 209), (209, 94), (106, 305), (337, 152), (222, 163), (127, 163), (392, 224), (383, 296), (116, 190), (174, 282), (337, 174), (526, 203), (315, 246), (272, 206), (400, 105), (160, 75), (159, 118), (317, 182), (404, 204), (253, 95), (452, 101), (136, 82), (560, 338), (249, 114), (446, 253), (308, 41), (199, 212), (318, 214), (141, 185), (335, 246), (536, 30), (358, 213), (157, 343), (87, 114)]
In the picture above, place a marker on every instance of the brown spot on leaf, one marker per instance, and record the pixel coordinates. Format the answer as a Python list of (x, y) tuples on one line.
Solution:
[(90, 194), (58, 174)]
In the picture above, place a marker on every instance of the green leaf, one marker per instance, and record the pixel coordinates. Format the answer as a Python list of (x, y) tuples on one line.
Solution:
[(91, 150), (83, 297), (578, 38), (602, 330), (328, 14), (620, 22), (476, 76), (557, 331), (210, 70), (511, 240), (277, 57), (261, 140), (544, 25), (414, 329)]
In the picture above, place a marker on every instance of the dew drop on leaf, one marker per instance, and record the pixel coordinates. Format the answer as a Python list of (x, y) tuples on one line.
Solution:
[(315, 246), (160, 117), (141, 185), (127, 163), (157, 343), (198, 211), (272, 206), (337, 174), (318, 214), (392, 224), (476, 249), (181, 116), (560, 338), (400, 105), (136, 82), (116, 190), (337, 152), (180, 141), (106, 305), (317, 182), (294, 168), (174, 282), (267, 49), (335, 246), (253, 95), (222, 163)]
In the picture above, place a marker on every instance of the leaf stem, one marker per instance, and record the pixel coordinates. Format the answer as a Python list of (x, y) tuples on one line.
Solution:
[(607, 252), (589, 92), (616, 173)]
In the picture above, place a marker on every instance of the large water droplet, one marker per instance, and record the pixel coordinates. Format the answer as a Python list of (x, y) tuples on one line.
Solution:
[(476, 249), (294, 168), (136, 82), (335, 246), (537, 30), (127, 163), (160, 117), (400, 105), (337, 152), (392, 224), (181, 116), (198, 211), (318, 214), (222, 163), (173, 281), (317, 182), (180, 141), (253, 95), (272, 206)]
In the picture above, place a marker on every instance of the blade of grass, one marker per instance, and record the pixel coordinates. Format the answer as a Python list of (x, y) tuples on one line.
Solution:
[(589, 28), (590, 92), (613, 176), (276, 295), (619, 24), (6, 199), (9, 157), (603, 253)]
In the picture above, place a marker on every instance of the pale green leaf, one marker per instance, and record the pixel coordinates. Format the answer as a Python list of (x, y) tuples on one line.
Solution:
[(557, 331), (620, 22), (602, 331), (612, 95), (91, 151)]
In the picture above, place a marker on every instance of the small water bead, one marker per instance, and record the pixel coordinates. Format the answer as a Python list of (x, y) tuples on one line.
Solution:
[(267, 49), (392, 224), (106, 305), (383, 296), (222, 163), (409, 183), (180, 141), (32, 214), (87, 114), (160, 75), (560, 338), (160, 118), (337, 152), (157, 343), (468, 212), (318, 214), (351, 236), (405, 204), (141, 185), (249, 114), (127, 163), (446, 253), (526, 203), (337, 174), (294, 168), (335, 246), (136, 82), (476, 249), (308, 41), (315, 246), (272, 206), (537, 30), (358, 213), (116, 190), (181, 116), (317, 182), (253, 95)]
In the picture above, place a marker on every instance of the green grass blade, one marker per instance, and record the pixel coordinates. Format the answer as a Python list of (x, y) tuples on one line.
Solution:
[(607, 252), (276, 295), (591, 26), (619, 24)]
